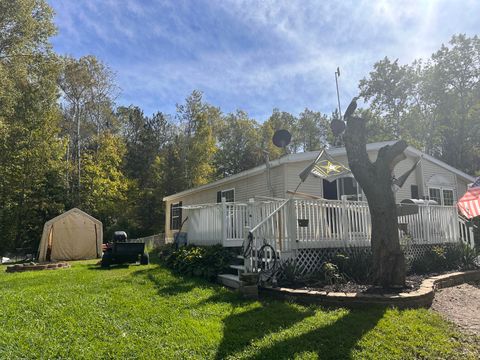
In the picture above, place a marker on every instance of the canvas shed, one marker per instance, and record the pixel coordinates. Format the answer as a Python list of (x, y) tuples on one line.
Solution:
[(73, 235)]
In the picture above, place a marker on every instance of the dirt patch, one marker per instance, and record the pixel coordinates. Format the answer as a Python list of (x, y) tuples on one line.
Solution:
[(461, 305)]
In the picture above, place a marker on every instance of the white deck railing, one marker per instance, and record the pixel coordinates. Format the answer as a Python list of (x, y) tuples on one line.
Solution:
[(225, 223), (302, 224)]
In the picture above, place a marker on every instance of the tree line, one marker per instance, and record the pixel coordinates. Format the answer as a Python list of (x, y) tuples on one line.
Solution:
[(65, 142)]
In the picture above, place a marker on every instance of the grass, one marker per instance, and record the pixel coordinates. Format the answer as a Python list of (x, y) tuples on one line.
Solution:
[(146, 312)]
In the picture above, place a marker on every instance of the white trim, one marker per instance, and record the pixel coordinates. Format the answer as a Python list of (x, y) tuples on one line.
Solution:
[(441, 188), (310, 156)]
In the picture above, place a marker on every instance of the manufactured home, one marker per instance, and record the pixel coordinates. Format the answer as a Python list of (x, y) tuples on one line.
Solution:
[(261, 207), (432, 179)]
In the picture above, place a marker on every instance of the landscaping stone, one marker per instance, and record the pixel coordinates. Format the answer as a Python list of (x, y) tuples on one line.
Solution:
[(422, 297), (35, 267)]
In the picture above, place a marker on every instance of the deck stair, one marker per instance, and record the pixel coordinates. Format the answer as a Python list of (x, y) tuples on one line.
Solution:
[(231, 278)]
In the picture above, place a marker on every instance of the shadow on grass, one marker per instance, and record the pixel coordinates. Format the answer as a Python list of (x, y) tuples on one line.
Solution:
[(180, 284), (332, 341), (241, 329), (335, 340), (112, 267)]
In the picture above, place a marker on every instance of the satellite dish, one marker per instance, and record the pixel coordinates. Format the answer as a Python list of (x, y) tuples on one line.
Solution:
[(337, 126), (282, 138)]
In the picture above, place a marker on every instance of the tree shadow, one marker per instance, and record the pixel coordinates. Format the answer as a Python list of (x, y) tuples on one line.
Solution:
[(332, 341), (112, 267), (240, 329), (176, 286)]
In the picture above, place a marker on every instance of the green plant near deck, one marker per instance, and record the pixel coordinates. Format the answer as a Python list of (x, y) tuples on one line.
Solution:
[(355, 264), (205, 261), (445, 258)]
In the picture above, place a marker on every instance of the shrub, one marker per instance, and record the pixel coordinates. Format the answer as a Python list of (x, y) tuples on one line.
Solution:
[(206, 262), (445, 258), (356, 264)]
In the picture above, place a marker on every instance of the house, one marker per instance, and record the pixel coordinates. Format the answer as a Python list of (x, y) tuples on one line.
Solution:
[(432, 179)]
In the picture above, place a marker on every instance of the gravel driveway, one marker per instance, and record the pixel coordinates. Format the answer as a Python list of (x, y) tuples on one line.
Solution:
[(461, 305)]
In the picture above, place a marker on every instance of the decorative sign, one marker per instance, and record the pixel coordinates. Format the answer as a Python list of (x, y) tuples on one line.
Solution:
[(302, 222)]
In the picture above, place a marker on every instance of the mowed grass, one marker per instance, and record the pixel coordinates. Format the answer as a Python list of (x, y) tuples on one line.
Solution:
[(146, 312)]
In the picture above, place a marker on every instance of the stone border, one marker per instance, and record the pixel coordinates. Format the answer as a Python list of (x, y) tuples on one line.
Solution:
[(422, 297), (36, 267)]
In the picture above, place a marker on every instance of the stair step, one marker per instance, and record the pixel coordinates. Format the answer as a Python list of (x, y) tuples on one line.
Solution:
[(229, 280), (238, 267), (241, 257)]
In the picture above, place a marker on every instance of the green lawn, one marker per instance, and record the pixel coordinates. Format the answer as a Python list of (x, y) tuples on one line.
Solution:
[(146, 312)]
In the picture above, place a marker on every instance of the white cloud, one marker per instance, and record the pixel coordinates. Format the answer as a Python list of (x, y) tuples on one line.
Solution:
[(256, 54)]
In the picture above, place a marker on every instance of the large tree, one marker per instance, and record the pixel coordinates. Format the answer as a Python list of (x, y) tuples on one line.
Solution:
[(376, 178), (238, 139), (88, 93), (31, 184), (432, 104)]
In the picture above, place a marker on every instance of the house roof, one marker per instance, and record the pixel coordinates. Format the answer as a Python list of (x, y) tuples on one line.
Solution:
[(310, 156)]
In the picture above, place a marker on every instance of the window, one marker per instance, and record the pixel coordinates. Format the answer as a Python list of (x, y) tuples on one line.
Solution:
[(348, 186), (175, 216), (435, 194), (448, 199), (229, 195), (442, 196)]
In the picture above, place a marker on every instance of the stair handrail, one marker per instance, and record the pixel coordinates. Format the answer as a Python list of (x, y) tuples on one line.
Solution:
[(269, 216)]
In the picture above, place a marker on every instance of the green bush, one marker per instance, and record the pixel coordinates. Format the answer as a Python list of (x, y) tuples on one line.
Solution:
[(355, 264), (445, 258), (206, 262)]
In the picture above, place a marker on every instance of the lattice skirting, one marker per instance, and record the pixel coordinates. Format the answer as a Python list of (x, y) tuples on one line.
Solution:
[(308, 261)]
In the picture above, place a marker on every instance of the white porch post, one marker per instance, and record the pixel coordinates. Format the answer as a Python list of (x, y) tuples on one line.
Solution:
[(224, 220), (291, 236), (247, 261)]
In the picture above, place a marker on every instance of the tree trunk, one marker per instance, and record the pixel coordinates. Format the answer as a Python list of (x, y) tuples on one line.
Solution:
[(376, 179)]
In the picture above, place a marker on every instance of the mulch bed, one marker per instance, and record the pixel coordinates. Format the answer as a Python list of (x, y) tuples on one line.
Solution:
[(36, 267), (413, 283)]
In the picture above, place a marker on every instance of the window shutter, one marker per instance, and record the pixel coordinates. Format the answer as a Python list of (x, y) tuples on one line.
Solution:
[(171, 216), (219, 196)]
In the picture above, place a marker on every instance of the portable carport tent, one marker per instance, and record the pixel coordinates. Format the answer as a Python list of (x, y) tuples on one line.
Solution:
[(73, 235)]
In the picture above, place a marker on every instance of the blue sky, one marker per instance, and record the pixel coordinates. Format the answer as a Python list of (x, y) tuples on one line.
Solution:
[(253, 55)]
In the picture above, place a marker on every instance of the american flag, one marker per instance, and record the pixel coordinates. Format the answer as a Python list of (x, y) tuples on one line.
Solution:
[(469, 204)]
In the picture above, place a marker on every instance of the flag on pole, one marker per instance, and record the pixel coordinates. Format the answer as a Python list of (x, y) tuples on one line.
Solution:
[(325, 167), (400, 181), (469, 204)]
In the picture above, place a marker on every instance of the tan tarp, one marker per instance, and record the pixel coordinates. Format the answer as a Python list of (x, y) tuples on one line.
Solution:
[(74, 235)]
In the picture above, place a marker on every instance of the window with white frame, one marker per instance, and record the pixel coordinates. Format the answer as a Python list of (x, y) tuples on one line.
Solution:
[(229, 195), (175, 216), (448, 197), (348, 186), (443, 196)]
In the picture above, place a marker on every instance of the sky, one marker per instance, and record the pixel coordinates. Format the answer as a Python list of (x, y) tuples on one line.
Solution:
[(253, 55)]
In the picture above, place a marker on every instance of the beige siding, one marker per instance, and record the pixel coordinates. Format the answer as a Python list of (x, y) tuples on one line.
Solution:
[(405, 192), (431, 172), (245, 189), (462, 186)]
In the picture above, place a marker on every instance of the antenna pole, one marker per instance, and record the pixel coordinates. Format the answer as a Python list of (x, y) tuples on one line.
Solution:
[(337, 75)]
